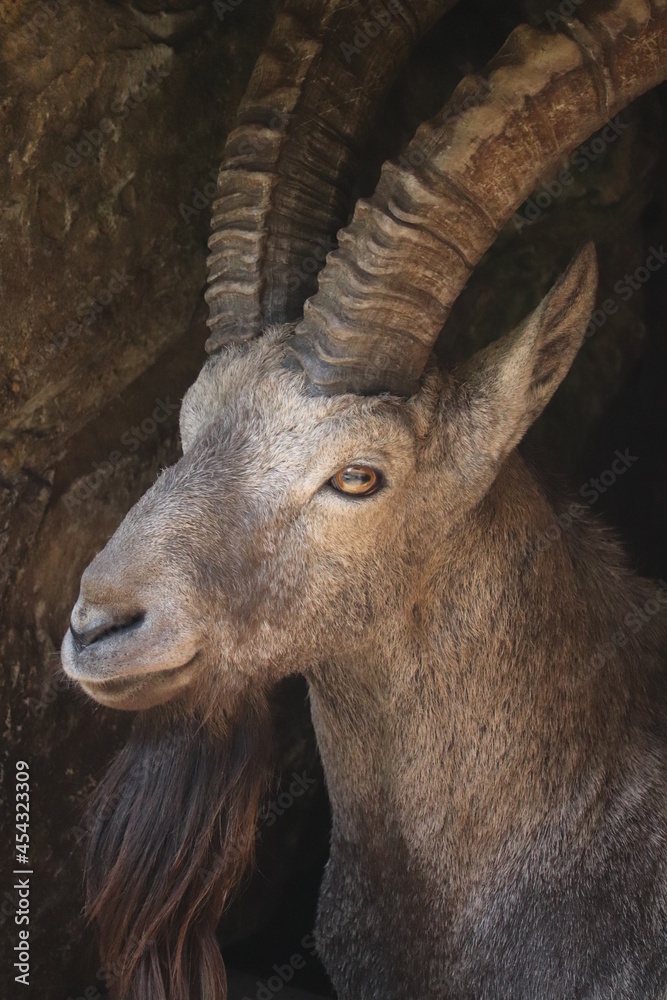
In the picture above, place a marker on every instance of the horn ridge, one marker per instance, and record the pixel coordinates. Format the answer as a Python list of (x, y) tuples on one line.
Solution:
[(416, 239), (285, 184)]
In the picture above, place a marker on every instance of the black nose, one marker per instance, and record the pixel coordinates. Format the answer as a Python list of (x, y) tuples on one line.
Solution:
[(100, 629)]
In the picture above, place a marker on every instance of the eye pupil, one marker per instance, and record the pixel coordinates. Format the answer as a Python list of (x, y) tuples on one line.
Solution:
[(356, 480), (354, 477)]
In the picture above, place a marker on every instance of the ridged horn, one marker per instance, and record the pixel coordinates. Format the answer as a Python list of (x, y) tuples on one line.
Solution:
[(385, 294), (284, 187)]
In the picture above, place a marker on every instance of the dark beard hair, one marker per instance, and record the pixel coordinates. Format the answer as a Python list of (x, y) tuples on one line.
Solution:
[(172, 831)]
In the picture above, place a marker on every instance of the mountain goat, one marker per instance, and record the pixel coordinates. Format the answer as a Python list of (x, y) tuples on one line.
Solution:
[(347, 510)]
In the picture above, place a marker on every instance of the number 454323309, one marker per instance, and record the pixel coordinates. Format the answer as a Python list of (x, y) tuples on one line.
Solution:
[(22, 812)]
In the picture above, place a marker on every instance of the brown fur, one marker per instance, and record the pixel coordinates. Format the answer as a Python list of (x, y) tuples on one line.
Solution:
[(499, 799), (172, 832)]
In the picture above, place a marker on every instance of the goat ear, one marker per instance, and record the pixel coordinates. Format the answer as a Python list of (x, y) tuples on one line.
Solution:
[(508, 384)]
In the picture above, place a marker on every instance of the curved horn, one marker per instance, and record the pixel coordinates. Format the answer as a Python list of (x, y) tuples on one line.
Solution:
[(385, 294), (285, 183)]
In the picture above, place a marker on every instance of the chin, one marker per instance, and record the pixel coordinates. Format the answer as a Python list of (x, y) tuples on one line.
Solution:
[(141, 691)]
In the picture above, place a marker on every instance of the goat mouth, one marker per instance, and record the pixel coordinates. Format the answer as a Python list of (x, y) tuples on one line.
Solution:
[(138, 691)]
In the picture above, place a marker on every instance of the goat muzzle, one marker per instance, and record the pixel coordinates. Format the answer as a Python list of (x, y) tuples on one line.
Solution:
[(127, 659)]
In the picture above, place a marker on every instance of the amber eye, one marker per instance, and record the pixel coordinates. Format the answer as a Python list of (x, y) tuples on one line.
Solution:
[(357, 481)]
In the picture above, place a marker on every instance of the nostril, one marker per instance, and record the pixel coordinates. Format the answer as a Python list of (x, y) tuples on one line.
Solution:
[(101, 630)]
